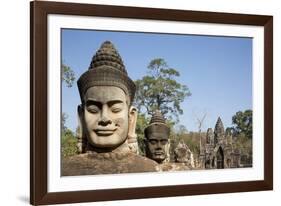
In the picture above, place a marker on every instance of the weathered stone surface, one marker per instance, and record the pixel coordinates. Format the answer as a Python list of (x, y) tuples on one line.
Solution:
[(183, 154), (132, 136), (106, 163), (174, 166)]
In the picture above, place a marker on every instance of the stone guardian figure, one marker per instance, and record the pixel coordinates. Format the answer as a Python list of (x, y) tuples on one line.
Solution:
[(107, 118), (183, 154), (157, 138)]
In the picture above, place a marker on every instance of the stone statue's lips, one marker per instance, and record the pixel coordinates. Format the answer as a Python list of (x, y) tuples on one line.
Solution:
[(105, 131), (159, 153)]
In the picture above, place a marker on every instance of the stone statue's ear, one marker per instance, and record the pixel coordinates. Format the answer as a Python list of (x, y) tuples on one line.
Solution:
[(133, 115), (145, 141), (80, 110), (80, 135), (80, 116)]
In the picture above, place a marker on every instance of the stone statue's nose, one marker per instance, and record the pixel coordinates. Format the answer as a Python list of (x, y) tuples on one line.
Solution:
[(104, 120), (159, 145)]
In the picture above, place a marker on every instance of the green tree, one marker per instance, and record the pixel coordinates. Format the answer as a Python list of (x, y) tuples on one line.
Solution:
[(68, 143), (142, 122), (245, 146), (68, 139), (181, 129), (68, 78), (159, 90), (243, 122), (68, 75)]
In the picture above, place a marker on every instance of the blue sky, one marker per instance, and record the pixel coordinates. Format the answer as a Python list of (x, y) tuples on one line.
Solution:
[(217, 70)]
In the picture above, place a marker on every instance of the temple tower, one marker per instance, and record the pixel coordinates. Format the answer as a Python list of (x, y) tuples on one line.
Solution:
[(219, 132)]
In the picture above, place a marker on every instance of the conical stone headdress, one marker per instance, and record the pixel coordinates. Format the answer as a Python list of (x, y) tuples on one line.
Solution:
[(106, 69), (157, 124), (219, 128)]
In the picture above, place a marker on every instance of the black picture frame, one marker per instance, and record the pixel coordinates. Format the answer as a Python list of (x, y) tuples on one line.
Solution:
[(39, 11)]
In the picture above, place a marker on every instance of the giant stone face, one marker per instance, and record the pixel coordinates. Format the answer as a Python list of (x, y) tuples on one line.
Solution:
[(106, 116)]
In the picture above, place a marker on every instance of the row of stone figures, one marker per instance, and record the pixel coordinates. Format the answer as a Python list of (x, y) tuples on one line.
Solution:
[(107, 122), (157, 146)]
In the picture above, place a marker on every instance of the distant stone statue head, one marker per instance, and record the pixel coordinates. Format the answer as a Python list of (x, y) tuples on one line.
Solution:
[(106, 115), (210, 136), (182, 153), (157, 138)]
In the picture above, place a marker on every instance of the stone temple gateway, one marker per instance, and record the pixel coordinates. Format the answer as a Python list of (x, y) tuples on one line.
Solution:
[(218, 151)]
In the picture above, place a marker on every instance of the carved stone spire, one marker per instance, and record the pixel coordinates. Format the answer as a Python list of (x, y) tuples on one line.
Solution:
[(219, 131), (108, 56), (106, 69), (157, 124), (157, 117)]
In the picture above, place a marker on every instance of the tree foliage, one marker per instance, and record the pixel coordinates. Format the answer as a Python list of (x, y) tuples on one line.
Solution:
[(68, 143), (142, 122), (243, 122), (68, 75), (245, 146), (68, 139), (159, 90)]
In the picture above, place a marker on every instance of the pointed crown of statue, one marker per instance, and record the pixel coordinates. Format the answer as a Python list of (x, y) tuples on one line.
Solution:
[(157, 124), (219, 128), (106, 69)]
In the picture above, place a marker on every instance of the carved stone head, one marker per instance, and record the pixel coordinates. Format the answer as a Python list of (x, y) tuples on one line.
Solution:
[(157, 138), (106, 93), (182, 153), (210, 136)]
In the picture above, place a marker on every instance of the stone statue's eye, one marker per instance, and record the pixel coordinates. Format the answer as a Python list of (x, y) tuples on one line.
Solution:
[(92, 109), (116, 109), (163, 141), (152, 141)]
